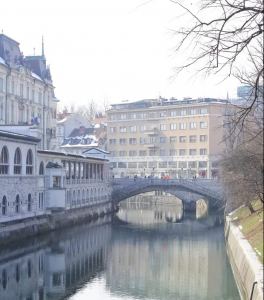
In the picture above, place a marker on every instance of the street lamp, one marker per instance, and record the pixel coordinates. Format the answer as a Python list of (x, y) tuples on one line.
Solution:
[(190, 172)]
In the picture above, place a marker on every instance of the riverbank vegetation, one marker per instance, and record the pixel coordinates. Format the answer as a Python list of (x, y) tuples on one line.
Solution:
[(251, 225)]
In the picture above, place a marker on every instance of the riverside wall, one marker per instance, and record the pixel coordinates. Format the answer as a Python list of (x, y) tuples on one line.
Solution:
[(245, 264), (38, 225)]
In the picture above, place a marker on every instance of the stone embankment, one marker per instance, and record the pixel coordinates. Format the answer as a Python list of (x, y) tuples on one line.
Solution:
[(38, 225), (246, 266)]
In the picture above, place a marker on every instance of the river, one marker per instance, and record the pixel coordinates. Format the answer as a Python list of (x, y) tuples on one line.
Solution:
[(145, 251)]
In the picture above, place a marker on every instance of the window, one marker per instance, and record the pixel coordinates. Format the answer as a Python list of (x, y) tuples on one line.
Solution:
[(41, 168), (29, 162), (142, 115), (4, 161), (17, 204), (203, 124), (33, 95), (1, 111), (142, 141), (173, 113), (153, 140), (202, 164), (132, 116), (112, 153), (122, 129), (132, 128), (122, 141), (112, 117), (173, 139), (132, 153), (192, 138), (162, 164), (132, 165), (172, 164), (122, 165), (112, 129), (152, 152), (112, 141), (12, 111), (163, 127), (182, 152), (183, 112), (162, 152), (21, 90), (226, 124), (132, 141), (192, 152), (122, 153), (142, 152), (203, 138), (40, 98), (29, 202), (182, 126), (152, 114), (163, 114), (122, 117), (203, 151), (203, 111), (17, 161), (182, 164), (182, 139), (41, 200), (56, 279), (57, 181), (13, 87), (193, 125), (4, 206), (142, 127), (27, 92), (162, 139), (192, 164), (193, 112), (172, 152), (173, 126)]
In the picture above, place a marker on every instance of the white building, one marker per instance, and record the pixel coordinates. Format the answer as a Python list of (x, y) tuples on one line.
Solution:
[(40, 182), (27, 101)]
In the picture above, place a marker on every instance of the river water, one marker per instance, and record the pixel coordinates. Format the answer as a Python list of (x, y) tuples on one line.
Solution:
[(145, 251)]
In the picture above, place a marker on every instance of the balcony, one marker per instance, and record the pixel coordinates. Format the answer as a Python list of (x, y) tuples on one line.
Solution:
[(151, 132), (151, 145)]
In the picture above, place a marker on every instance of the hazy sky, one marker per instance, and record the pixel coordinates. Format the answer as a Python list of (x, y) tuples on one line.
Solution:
[(116, 49)]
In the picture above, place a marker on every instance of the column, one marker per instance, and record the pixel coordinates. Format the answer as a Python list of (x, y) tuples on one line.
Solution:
[(70, 171), (84, 170), (74, 170)]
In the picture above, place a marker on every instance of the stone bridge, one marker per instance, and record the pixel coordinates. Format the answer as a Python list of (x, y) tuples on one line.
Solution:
[(188, 190)]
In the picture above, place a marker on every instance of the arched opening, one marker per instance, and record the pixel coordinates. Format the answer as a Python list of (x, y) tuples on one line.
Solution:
[(41, 168), (29, 202), (17, 207), (83, 196), (17, 162), (29, 163), (4, 206), (79, 196), (4, 161), (4, 279), (73, 197), (87, 195)]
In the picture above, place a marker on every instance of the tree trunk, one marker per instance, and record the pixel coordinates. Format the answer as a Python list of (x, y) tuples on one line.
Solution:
[(248, 204)]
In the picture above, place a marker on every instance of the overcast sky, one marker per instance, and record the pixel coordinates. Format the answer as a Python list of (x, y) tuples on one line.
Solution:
[(101, 49)]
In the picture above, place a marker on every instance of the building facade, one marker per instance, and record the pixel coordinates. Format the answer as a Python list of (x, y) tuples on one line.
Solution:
[(40, 182), (161, 137), (27, 101)]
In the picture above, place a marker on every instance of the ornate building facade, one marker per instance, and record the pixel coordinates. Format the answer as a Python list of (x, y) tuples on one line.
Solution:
[(27, 101)]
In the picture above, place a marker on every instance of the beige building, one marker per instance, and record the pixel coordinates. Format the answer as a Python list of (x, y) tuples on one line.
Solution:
[(161, 137)]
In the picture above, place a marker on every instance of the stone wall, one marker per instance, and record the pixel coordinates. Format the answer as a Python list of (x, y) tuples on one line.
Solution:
[(245, 265), (38, 225)]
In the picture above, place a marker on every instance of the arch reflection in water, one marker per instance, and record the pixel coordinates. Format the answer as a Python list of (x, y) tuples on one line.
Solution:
[(55, 265), (161, 260)]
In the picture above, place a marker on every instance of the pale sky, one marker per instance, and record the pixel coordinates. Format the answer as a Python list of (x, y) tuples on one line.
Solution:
[(117, 50)]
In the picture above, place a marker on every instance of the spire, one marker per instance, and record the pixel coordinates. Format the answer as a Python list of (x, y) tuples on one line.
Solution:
[(42, 46)]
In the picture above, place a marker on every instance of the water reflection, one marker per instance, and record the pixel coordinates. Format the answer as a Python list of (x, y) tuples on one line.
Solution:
[(55, 265), (146, 252)]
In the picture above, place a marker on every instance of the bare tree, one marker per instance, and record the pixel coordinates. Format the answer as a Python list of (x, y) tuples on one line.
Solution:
[(222, 36), (89, 110)]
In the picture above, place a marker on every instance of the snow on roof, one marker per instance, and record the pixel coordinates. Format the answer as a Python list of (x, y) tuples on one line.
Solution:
[(36, 76), (79, 145), (2, 61), (63, 120)]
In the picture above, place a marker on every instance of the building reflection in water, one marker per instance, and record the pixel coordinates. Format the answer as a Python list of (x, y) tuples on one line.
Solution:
[(165, 260), (55, 265)]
